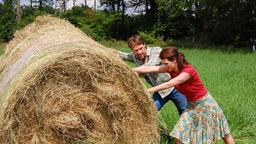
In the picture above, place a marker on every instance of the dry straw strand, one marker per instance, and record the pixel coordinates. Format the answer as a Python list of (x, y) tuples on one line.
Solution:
[(57, 85)]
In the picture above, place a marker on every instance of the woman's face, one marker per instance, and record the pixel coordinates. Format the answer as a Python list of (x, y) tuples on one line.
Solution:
[(170, 65)]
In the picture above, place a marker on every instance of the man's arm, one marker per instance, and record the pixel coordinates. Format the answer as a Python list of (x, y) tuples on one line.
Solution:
[(126, 56), (123, 55)]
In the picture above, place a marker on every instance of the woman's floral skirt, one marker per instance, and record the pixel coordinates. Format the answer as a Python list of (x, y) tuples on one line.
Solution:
[(202, 123)]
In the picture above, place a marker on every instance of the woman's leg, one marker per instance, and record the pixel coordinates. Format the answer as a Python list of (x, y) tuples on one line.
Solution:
[(228, 139)]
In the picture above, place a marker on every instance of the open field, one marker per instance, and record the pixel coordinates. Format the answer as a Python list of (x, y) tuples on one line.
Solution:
[(231, 80)]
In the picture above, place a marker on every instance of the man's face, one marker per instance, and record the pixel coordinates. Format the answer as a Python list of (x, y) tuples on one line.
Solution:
[(140, 51)]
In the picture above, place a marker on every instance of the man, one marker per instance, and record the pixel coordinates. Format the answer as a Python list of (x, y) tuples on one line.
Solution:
[(145, 56)]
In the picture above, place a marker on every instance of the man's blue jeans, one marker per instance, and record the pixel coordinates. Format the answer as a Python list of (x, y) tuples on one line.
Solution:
[(175, 96)]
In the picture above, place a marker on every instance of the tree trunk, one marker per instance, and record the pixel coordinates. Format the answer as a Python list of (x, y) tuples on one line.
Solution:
[(123, 8), (85, 2), (113, 6), (64, 4), (153, 8), (118, 6), (74, 3), (95, 4), (40, 4), (31, 3), (123, 11), (18, 10), (146, 7)]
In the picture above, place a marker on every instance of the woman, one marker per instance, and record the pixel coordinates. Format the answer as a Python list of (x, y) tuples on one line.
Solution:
[(203, 121)]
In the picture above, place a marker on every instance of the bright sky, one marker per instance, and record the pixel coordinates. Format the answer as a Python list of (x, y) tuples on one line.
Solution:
[(90, 3), (69, 4), (80, 2)]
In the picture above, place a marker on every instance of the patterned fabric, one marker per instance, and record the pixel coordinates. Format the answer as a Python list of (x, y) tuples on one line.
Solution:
[(153, 59), (203, 122)]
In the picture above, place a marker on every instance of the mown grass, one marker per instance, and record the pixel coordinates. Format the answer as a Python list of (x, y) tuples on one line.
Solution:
[(230, 77)]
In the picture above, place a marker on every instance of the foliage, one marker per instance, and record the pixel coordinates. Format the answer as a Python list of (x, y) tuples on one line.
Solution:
[(113, 43), (206, 21), (148, 37), (29, 14), (173, 21), (199, 21), (95, 24), (7, 21), (225, 22)]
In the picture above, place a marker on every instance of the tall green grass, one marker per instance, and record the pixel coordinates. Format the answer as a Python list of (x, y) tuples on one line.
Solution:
[(231, 80), (230, 77)]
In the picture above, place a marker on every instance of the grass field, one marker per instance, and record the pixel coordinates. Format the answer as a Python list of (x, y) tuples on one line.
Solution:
[(230, 77), (231, 80)]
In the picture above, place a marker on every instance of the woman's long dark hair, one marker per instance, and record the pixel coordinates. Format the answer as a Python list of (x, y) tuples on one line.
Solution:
[(171, 54)]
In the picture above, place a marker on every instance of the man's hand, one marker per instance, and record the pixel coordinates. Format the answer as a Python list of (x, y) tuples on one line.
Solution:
[(114, 51)]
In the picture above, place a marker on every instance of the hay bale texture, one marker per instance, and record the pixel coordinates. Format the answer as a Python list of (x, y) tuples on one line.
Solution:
[(57, 85)]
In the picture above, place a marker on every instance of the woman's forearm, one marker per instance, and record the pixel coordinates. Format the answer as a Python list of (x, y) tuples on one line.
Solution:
[(181, 78), (144, 69), (160, 87), (149, 69)]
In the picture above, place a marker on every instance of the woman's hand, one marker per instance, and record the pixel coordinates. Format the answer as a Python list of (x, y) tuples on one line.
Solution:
[(150, 90)]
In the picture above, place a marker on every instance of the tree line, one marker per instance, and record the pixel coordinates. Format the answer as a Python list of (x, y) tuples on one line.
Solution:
[(219, 22)]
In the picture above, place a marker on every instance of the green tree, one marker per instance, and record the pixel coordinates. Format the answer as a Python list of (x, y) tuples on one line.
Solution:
[(118, 9), (173, 19), (96, 24), (225, 22), (7, 20)]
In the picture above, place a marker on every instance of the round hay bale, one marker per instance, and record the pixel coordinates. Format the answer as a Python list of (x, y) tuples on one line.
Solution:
[(57, 85)]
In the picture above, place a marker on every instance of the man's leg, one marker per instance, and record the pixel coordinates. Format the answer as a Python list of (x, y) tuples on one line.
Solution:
[(159, 101), (179, 100)]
